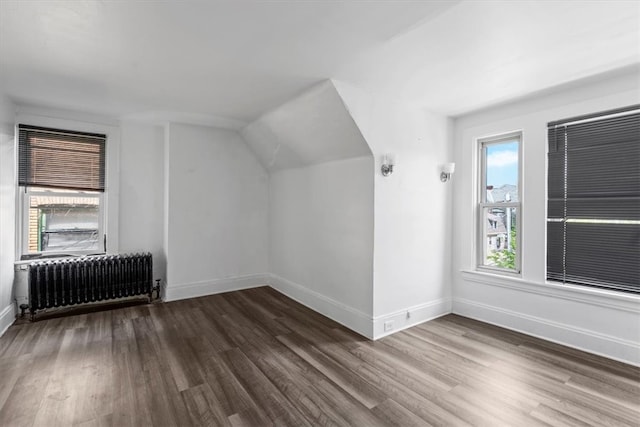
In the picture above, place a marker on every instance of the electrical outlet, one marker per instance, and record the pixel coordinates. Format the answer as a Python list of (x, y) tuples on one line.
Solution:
[(388, 325)]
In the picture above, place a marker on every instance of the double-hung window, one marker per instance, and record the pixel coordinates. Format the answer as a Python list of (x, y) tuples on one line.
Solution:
[(61, 178), (499, 209), (593, 211)]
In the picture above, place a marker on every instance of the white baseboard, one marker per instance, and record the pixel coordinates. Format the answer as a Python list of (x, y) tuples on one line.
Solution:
[(417, 314), (571, 336), (7, 317), (174, 292), (350, 317)]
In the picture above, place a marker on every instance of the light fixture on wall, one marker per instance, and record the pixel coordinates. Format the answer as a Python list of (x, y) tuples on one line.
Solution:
[(388, 160), (447, 170)]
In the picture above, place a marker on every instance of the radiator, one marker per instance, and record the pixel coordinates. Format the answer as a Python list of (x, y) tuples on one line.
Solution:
[(70, 281)]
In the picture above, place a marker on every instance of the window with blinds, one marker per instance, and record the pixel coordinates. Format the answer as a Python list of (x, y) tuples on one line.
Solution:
[(61, 174), (53, 158), (593, 212)]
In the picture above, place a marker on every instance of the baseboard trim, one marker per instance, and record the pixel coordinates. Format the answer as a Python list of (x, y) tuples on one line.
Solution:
[(214, 286), (417, 314), (7, 317), (347, 316), (560, 333)]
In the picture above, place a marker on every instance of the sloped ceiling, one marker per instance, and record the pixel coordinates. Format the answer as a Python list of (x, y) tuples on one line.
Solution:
[(227, 63), (313, 128), (482, 53), (186, 60)]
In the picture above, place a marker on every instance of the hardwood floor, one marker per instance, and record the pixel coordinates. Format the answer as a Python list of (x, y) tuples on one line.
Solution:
[(255, 357)]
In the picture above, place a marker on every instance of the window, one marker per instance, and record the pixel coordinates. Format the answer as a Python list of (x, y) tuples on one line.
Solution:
[(499, 207), (593, 206), (61, 175)]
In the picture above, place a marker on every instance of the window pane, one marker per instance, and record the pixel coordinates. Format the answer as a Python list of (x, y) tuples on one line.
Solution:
[(501, 172), (500, 237), (59, 223)]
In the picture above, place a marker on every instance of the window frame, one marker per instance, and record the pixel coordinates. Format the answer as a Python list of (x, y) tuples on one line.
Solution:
[(25, 194), (58, 119), (482, 204)]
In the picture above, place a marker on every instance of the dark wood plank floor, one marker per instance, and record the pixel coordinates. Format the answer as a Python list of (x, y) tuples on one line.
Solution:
[(255, 357)]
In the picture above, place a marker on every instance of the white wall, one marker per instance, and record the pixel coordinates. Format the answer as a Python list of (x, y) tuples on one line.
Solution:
[(599, 321), (321, 238), (412, 209), (312, 128), (321, 204), (7, 212), (216, 219), (141, 192)]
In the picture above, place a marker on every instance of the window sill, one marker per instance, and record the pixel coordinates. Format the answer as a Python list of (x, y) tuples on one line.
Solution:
[(498, 272), (593, 296), (25, 262)]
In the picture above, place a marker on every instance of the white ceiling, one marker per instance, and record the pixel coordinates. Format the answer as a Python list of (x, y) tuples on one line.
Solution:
[(230, 62), (481, 53)]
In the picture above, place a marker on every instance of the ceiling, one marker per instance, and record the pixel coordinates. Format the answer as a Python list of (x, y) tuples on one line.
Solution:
[(482, 53), (228, 63)]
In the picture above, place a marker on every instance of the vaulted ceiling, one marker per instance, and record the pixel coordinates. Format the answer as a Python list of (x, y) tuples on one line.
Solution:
[(228, 63)]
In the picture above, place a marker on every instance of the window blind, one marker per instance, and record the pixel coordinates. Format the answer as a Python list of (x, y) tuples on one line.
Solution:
[(57, 158), (593, 211)]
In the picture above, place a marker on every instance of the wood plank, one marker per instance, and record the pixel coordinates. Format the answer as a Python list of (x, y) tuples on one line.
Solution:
[(203, 406), (320, 401), (275, 405), (346, 379), (395, 414), (257, 358), (63, 390), (226, 387)]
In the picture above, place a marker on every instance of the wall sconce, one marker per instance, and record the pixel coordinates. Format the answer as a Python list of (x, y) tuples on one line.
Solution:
[(447, 170), (387, 164)]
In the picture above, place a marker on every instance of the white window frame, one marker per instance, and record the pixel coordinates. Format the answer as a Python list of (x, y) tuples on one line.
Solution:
[(26, 192), (483, 204), (57, 119)]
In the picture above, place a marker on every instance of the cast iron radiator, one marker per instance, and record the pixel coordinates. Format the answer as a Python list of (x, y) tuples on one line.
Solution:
[(69, 281)]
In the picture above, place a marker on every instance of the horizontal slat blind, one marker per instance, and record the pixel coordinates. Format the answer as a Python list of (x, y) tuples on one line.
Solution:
[(56, 158), (603, 255), (593, 214)]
